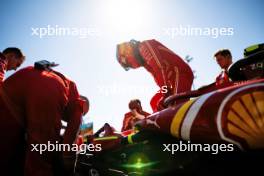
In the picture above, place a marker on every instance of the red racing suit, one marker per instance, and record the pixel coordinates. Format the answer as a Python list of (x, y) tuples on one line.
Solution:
[(167, 68), (33, 103)]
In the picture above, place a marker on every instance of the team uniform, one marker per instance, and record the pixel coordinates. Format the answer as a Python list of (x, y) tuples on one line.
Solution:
[(3, 64), (222, 79), (33, 103), (170, 72), (129, 120)]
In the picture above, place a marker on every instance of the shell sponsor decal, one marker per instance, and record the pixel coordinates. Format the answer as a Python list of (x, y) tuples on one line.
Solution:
[(242, 113)]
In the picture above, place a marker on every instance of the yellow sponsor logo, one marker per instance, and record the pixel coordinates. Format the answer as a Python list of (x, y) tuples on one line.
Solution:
[(246, 119), (178, 118)]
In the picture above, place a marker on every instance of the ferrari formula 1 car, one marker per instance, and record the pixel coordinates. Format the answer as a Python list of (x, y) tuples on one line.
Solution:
[(218, 131)]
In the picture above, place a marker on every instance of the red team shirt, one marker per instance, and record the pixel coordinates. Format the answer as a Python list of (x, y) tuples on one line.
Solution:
[(40, 100), (222, 79), (3, 64)]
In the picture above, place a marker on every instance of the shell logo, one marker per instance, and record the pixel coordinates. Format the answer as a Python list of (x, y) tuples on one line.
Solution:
[(240, 119)]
